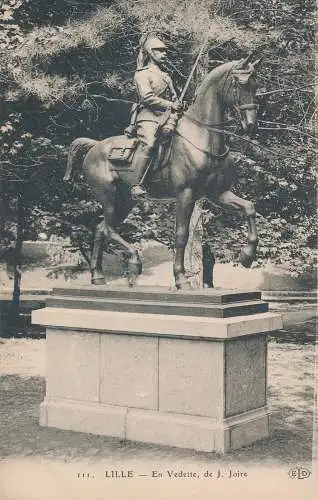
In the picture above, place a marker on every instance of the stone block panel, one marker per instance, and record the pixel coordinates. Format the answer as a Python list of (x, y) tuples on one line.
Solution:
[(245, 374), (129, 371), (191, 377), (72, 364)]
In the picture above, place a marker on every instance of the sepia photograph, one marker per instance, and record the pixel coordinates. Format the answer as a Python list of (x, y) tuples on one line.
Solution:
[(158, 250)]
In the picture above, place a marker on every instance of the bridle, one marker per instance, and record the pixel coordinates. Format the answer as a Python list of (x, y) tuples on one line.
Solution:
[(239, 77)]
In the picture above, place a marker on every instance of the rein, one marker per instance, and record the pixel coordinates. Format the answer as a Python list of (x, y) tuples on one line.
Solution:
[(219, 131), (206, 125), (209, 127)]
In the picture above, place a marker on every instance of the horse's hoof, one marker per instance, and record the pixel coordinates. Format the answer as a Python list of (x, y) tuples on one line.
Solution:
[(98, 281), (183, 283), (208, 285), (146, 206), (131, 281), (134, 265), (247, 258), (185, 286)]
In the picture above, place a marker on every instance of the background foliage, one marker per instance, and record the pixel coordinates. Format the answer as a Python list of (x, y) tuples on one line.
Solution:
[(65, 65)]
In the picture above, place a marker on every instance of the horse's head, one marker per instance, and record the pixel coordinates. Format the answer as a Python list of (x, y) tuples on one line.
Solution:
[(231, 85), (239, 92)]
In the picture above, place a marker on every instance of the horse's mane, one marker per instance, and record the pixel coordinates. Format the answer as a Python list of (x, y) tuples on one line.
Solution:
[(214, 75)]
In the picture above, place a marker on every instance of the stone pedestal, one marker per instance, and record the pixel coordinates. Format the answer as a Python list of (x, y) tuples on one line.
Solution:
[(184, 369)]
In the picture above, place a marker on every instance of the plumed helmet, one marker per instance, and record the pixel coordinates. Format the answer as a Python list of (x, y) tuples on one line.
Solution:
[(153, 42), (147, 44)]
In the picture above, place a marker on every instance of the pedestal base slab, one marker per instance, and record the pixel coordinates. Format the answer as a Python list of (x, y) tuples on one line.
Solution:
[(162, 428)]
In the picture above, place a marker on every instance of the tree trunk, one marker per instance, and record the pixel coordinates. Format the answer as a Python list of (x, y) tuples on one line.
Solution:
[(14, 308), (195, 258), (5, 212), (193, 253)]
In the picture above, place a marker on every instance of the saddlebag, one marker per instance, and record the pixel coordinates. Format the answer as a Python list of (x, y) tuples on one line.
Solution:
[(123, 150)]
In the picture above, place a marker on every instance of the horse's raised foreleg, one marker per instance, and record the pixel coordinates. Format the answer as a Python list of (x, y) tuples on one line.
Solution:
[(105, 233), (184, 209), (248, 253)]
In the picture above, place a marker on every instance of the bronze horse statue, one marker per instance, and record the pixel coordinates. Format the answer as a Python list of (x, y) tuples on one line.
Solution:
[(199, 165)]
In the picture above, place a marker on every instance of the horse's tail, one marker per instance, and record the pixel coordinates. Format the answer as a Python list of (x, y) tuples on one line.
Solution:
[(78, 150)]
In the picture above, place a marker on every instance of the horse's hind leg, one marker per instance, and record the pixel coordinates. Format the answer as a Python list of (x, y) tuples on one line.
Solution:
[(248, 253), (97, 276), (105, 233), (132, 260)]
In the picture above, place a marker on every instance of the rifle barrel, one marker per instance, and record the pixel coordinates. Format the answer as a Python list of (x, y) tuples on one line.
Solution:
[(185, 88)]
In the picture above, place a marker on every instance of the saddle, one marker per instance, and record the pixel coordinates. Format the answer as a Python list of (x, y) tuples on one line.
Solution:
[(123, 147)]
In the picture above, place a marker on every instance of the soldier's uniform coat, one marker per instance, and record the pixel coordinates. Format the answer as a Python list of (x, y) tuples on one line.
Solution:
[(155, 93)]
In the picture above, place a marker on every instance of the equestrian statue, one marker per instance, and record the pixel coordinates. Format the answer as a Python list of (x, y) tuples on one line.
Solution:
[(167, 152)]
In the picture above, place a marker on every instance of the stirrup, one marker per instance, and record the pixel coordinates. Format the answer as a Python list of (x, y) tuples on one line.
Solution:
[(138, 191)]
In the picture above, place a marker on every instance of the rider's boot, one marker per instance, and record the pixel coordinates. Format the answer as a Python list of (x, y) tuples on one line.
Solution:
[(141, 162)]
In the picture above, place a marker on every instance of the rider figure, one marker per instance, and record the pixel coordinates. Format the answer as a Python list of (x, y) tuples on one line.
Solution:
[(156, 95)]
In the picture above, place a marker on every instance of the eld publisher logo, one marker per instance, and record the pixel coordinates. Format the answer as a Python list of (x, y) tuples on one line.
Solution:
[(299, 473)]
